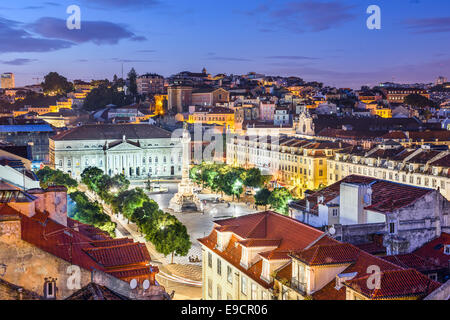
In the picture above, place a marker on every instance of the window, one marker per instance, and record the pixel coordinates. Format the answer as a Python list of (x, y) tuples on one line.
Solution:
[(219, 292), (433, 276), (219, 267), (60, 163), (391, 227), (229, 274), (209, 259), (210, 288), (335, 212), (244, 285), (447, 249), (253, 294)]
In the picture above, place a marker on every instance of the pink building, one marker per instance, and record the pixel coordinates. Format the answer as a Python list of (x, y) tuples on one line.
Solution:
[(266, 111)]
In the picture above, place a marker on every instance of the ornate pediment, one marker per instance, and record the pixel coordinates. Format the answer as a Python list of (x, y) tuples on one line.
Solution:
[(123, 146)]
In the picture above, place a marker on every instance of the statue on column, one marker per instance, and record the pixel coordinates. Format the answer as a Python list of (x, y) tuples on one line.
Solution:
[(185, 197)]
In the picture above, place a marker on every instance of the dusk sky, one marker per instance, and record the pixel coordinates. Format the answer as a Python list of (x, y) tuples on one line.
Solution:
[(327, 40)]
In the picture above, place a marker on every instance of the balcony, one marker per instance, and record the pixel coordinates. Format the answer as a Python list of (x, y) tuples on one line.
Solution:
[(300, 287)]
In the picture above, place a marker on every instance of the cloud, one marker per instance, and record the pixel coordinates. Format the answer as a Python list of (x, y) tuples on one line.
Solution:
[(305, 15), (227, 59), (17, 62), (429, 25), (291, 58), (98, 32), (123, 3), (13, 38)]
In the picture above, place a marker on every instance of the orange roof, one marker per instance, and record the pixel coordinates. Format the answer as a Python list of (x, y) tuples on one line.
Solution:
[(78, 247), (395, 284), (268, 228), (119, 255)]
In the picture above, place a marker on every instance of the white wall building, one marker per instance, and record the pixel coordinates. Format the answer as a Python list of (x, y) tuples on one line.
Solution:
[(135, 150)]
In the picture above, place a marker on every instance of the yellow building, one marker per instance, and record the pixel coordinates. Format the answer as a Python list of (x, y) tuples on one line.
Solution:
[(220, 116), (297, 164), (382, 112)]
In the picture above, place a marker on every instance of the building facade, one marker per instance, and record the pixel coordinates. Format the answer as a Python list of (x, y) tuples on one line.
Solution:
[(297, 164), (425, 166), (138, 151), (7, 80), (150, 84)]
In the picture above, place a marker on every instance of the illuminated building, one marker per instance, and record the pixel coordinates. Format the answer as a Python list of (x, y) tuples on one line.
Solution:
[(135, 150), (7, 80)]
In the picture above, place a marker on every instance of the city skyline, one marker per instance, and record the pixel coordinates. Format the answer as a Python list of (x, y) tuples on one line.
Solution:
[(308, 39)]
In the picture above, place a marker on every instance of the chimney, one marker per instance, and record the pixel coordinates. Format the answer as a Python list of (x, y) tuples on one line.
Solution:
[(54, 201)]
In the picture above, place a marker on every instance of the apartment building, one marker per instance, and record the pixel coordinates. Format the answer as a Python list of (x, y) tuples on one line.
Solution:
[(270, 256), (297, 164), (360, 207), (425, 166)]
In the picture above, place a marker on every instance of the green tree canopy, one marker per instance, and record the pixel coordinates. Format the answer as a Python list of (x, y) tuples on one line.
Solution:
[(279, 200), (132, 86), (49, 177), (104, 95), (56, 84), (127, 201), (91, 213), (91, 177), (262, 197), (170, 236), (418, 101)]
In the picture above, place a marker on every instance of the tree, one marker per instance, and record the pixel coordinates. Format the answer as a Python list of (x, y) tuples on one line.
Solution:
[(90, 177), (127, 201), (170, 236), (253, 178), (262, 197), (104, 95), (418, 101), (279, 199), (120, 182), (132, 86), (56, 84), (49, 177), (91, 213)]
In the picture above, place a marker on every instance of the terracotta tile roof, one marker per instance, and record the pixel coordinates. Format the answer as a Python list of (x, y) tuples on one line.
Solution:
[(130, 273), (93, 291), (434, 250), (411, 260), (275, 255), (442, 162), (260, 243), (112, 132), (401, 195), (125, 254), (339, 253), (395, 284), (293, 236), (78, 247), (110, 243), (372, 248)]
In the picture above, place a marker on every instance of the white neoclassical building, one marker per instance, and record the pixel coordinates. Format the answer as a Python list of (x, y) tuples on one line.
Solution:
[(138, 151)]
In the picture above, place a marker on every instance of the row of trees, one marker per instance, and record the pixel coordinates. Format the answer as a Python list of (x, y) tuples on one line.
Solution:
[(85, 211), (278, 199), (227, 179), (165, 231), (231, 181)]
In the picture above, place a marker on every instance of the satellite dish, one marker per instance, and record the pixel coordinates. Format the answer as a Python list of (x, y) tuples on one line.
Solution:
[(146, 284), (332, 230), (133, 284)]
